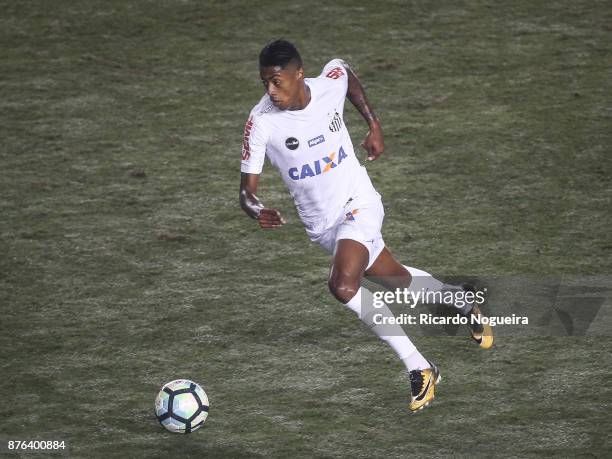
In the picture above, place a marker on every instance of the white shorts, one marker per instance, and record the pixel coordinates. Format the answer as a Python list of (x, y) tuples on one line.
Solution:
[(361, 221)]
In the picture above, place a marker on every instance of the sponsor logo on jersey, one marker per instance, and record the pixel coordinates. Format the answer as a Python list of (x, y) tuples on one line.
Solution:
[(336, 123), (246, 150), (316, 141), (335, 73), (266, 108), (292, 143), (318, 167)]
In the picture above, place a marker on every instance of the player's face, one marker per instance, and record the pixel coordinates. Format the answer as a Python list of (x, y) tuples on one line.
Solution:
[(283, 84)]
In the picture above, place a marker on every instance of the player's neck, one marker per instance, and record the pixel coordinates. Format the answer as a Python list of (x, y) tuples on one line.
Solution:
[(303, 98)]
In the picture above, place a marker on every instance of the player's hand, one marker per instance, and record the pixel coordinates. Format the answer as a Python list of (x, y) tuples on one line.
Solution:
[(374, 143), (270, 218)]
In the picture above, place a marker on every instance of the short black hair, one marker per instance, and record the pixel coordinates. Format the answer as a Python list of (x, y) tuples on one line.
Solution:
[(279, 53)]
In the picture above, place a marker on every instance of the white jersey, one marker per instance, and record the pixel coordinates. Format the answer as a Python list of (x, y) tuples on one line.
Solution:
[(311, 149)]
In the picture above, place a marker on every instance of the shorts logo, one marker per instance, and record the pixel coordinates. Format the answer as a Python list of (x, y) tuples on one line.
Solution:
[(246, 150), (335, 73), (318, 167), (292, 143), (350, 216), (316, 141), (336, 123)]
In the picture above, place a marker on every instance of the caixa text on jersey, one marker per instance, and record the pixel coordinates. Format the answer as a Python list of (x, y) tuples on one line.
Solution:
[(318, 167)]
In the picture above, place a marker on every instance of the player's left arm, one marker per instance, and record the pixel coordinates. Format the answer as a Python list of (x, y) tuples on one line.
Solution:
[(374, 142)]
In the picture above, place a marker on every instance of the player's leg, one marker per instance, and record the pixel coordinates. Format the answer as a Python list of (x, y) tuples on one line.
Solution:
[(349, 264), (391, 274), (357, 244)]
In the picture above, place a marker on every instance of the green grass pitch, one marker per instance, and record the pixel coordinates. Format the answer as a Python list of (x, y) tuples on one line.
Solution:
[(126, 262)]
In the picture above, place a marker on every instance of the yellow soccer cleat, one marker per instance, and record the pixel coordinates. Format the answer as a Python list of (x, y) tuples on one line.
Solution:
[(423, 384), (481, 333)]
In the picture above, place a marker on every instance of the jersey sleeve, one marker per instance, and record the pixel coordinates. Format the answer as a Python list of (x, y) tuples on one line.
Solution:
[(254, 142), (335, 70)]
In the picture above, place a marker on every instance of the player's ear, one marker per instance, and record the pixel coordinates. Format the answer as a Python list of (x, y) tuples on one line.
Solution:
[(300, 73)]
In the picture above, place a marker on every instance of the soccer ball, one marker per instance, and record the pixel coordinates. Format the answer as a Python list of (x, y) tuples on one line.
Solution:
[(181, 406)]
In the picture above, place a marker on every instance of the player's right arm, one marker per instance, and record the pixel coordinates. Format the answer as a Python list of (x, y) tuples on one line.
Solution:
[(254, 208), (253, 155)]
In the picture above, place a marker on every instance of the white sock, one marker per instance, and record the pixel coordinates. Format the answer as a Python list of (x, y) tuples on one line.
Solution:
[(394, 335), (423, 281)]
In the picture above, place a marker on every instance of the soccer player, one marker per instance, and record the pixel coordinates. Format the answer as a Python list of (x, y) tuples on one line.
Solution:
[(299, 125)]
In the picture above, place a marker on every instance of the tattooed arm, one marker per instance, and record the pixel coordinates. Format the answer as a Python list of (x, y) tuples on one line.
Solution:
[(374, 143)]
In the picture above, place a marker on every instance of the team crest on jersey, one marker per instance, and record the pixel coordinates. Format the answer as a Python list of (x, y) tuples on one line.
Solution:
[(292, 143), (336, 123), (318, 167)]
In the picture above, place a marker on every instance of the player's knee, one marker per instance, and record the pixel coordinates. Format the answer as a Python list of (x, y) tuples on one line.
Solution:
[(343, 287)]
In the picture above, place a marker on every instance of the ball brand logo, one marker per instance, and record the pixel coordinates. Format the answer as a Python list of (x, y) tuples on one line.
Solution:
[(335, 73), (246, 151), (292, 143), (318, 167)]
